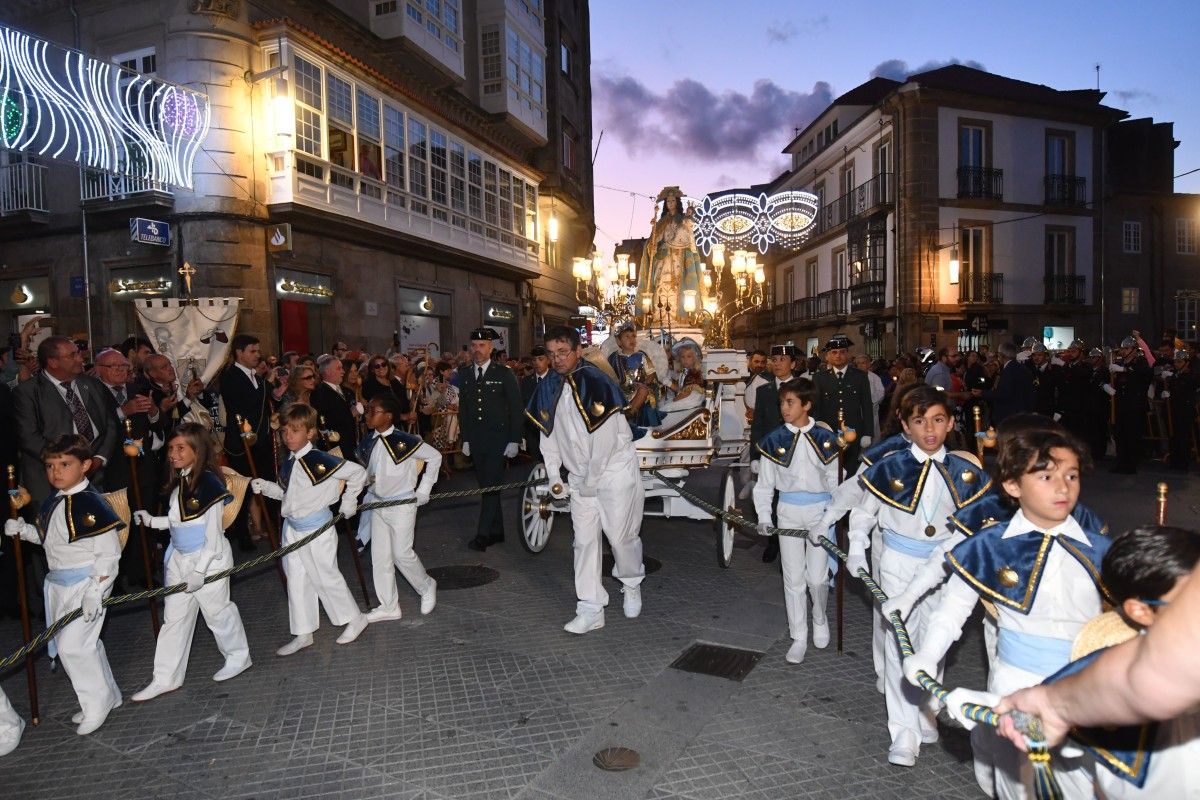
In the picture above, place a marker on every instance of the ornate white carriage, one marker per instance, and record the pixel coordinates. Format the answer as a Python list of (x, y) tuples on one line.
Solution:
[(690, 439)]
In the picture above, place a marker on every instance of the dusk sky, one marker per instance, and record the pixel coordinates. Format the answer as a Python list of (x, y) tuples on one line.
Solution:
[(705, 94)]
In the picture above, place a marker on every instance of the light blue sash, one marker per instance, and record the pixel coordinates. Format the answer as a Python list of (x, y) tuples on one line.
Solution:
[(804, 498), (917, 548), (70, 576), (364, 520), (1041, 655), (311, 522), (186, 537)]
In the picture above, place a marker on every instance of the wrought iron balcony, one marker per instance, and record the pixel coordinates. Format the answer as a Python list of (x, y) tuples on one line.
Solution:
[(99, 185), (835, 303), (981, 287), (1065, 190), (983, 183), (23, 189), (880, 190), (1066, 289), (866, 296)]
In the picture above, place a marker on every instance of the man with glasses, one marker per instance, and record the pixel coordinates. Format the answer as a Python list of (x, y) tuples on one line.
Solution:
[(60, 400)]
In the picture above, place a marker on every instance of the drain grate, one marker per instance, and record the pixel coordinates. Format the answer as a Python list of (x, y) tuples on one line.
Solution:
[(616, 759), (652, 564), (462, 576), (733, 663)]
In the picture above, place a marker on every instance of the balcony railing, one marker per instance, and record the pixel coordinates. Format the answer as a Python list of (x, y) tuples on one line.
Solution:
[(869, 295), (23, 189), (981, 287), (1066, 289), (880, 190), (1065, 190), (97, 185), (983, 183), (835, 303)]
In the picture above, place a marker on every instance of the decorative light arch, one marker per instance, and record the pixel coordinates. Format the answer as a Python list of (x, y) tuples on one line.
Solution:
[(745, 221), (63, 104)]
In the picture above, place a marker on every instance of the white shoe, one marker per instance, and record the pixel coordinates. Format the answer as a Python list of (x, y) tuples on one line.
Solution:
[(879, 686), (295, 645), (585, 622), (77, 717), (795, 653), (87, 726), (381, 614), (351, 631), (929, 737), (821, 634), (633, 601), (429, 597), (9, 743), (902, 755), (232, 670), (149, 693)]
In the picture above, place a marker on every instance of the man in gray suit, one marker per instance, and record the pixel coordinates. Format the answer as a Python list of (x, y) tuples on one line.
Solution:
[(60, 399)]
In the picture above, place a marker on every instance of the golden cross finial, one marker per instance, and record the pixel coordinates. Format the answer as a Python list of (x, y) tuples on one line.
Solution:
[(187, 271)]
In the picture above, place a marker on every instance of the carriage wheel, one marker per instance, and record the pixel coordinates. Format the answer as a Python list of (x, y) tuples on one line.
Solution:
[(537, 517), (726, 531)]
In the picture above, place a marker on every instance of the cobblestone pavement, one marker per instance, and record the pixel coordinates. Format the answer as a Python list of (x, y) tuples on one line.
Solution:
[(487, 697)]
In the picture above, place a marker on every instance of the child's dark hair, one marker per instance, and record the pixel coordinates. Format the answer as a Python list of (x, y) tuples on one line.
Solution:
[(919, 399), (302, 413), (69, 444), (1146, 562), (200, 439), (387, 403), (802, 389), (1028, 450)]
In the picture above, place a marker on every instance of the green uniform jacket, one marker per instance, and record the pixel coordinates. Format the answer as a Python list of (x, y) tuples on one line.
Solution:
[(490, 411)]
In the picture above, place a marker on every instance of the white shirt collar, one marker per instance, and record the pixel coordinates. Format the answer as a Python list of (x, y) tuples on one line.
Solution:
[(808, 427), (303, 451), (76, 489), (1019, 525), (541, 375), (251, 374), (840, 372), (921, 456), (183, 473), (333, 386), (388, 432)]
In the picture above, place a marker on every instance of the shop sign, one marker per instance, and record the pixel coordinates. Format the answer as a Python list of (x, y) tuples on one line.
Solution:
[(149, 231)]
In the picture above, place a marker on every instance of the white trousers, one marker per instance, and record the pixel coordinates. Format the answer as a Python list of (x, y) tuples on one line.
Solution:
[(313, 580), (11, 725), (910, 711), (616, 513), (882, 636), (392, 549), (81, 651), (179, 618), (805, 567)]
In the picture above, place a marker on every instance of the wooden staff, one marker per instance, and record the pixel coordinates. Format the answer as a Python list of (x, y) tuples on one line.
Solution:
[(1162, 503), (26, 633), (249, 437), (133, 450), (977, 413)]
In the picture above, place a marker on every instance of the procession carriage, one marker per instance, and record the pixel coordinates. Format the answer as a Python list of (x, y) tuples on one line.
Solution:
[(712, 433)]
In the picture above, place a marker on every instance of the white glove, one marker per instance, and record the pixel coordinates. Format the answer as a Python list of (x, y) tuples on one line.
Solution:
[(1115, 368), (960, 697), (919, 663), (467, 449), (902, 604), (1166, 373), (257, 485), (1108, 389), (856, 559), (1150, 391), (1057, 416), (510, 450), (349, 507), (92, 597), (764, 529), (12, 527), (150, 521), (358, 409), (754, 466), (866, 442), (1058, 362), (422, 498), (1022, 356), (195, 580)]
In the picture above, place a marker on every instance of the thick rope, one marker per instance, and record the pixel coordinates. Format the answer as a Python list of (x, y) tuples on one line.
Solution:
[(1030, 727), (163, 591)]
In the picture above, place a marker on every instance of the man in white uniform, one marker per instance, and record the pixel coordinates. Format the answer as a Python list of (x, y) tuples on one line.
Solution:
[(579, 412)]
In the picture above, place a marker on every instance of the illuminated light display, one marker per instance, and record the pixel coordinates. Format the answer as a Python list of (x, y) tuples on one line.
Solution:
[(739, 220), (64, 104)]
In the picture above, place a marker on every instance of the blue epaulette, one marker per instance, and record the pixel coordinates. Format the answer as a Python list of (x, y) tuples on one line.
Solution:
[(597, 397), (399, 445), (210, 489), (898, 479), (87, 514), (317, 465)]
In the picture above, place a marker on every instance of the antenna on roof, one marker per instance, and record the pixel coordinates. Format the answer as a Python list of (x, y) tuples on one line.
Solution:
[(1097, 76)]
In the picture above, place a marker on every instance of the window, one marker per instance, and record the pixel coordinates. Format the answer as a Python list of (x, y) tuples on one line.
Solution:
[(490, 215), (144, 60), (393, 152), (810, 278), (493, 60), (475, 191), (789, 284), (1187, 309), (974, 251), (1131, 237), (526, 72), (568, 149), (1060, 153), (1185, 236), (414, 13), (369, 163), (309, 106), (972, 146), (458, 183), (848, 179), (388, 7), (1129, 300), (564, 59), (418, 163), (505, 198), (340, 122), (1060, 256), (839, 277)]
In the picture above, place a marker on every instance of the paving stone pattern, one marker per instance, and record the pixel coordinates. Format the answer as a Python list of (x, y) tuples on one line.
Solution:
[(488, 697)]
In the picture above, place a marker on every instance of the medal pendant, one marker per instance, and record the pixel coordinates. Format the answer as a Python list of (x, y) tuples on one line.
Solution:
[(930, 530)]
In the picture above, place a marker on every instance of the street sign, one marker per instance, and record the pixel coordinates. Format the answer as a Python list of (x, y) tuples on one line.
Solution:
[(149, 231), (77, 287), (279, 238)]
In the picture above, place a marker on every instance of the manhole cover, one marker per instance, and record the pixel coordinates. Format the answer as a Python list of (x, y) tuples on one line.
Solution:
[(651, 564), (462, 576), (616, 759), (733, 663)]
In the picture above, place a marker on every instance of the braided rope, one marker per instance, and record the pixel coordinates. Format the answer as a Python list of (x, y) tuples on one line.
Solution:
[(1029, 726), (163, 591)]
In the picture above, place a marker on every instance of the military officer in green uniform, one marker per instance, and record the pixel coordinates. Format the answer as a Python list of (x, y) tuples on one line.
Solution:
[(843, 388), (492, 418)]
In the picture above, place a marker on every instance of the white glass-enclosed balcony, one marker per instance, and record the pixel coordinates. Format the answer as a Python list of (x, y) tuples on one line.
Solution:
[(434, 27)]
